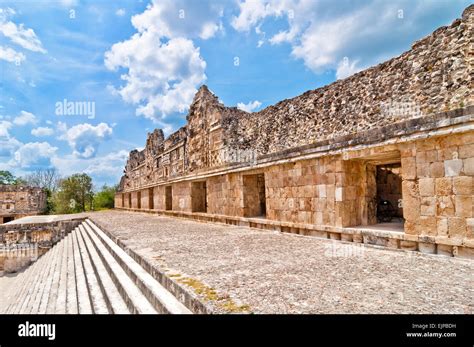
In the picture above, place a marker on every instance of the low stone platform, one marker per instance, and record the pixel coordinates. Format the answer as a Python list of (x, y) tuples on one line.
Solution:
[(241, 269)]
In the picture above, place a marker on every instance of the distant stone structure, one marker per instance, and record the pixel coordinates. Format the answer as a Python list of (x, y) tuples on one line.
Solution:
[(20, 201), (393, 143)]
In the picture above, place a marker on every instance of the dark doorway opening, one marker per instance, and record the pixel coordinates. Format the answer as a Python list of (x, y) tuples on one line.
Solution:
[(389, 193), (254, 195), (169, 198), (199, 196), (139, 199), (129, 200), (8, 219), (151, 202)]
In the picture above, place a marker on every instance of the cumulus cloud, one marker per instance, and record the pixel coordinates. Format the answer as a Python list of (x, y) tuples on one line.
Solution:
[(322, 33), (42, 131), (34, 155), (103, 169), (249, 107), (181, 18), (84, 139), (5, 126), (19, 34), (8, 144), (10, 55), (25, 118), (164, 67)]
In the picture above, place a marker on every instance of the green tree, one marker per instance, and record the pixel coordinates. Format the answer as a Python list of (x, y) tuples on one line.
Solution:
[(104, 198), (74, 194), (6, 177)]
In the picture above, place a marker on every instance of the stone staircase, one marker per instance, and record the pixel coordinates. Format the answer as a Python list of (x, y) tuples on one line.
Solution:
[(86, 273)]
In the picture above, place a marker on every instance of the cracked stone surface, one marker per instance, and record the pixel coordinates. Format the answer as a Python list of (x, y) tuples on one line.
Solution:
[(283, 273)]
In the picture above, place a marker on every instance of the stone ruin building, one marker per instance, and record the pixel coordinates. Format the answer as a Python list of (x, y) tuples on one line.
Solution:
[(385, 156), (20, 201)]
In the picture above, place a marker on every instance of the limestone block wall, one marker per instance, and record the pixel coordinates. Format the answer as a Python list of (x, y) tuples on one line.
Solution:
[(118, 200), (135, 200), (145, 202), (159, 198), (182, 196), (225, 195), (438, 186)]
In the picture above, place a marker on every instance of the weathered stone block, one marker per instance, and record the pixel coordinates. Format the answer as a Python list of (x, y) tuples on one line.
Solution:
[(428, 206), (463, 185), (408, 168), (457, 227), (442, 226), (437, 169), (469, 166), (427, 186), (408, 245), (443, 186), (445, 206), (453, 167), (445, 250), (429, 248), (463, 206)]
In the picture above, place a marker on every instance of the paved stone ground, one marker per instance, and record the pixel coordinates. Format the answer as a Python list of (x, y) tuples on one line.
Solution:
[(282, 273)]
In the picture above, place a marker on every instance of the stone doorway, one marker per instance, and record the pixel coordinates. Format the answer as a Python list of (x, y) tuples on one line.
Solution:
[(151, 202), (139, 199), (389, 193), (199, 196), (129, 200), (8, 219), (254, 195), (168, 198)]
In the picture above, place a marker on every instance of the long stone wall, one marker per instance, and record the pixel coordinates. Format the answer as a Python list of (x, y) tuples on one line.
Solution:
[(315, 161)]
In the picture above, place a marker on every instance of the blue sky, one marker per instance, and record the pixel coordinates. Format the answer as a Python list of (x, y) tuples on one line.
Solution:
[(137, 64)]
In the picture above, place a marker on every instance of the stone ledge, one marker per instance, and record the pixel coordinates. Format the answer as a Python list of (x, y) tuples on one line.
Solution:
[(441, 245)]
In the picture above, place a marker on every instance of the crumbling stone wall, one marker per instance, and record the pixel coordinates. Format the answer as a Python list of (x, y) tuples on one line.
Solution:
[(434, 76), (319, 152), (20, 201)]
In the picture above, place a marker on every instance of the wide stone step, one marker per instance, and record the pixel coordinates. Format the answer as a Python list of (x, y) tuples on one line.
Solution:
[(134, 298), (84, 273), (113, 298), (161, 299), (99, 304)]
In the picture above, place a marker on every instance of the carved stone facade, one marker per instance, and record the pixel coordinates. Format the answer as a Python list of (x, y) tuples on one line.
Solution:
[(394, 141), (20, 201)]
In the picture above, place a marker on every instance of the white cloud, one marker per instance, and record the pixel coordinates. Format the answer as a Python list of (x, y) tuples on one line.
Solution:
[(346, 68), (162, 78), (34, 155), (249, 107), (322, 33), (85, 138), (120, 12), (107, 168), (4, 127), (42, 131), (10, 55), (19, 34), (8, 144), (164, 67), (181, 18), (25, 118)]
